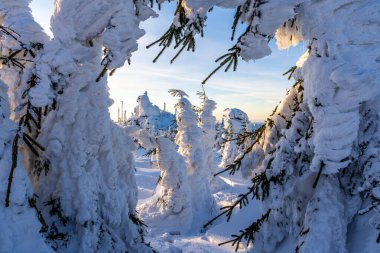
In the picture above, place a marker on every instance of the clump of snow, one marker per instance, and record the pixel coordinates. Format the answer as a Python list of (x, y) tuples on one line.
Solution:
[(253, 46), (289, 34)]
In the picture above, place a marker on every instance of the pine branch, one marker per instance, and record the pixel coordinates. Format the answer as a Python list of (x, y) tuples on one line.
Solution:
[(236, 21), (248, 234), (33, 115), (235, 166), (290, 72), (321, 167), (56, 210), (13, 167), (259, 190), (9, 32), (150, 152), (33, 204), (229, 59), (178, 93), (102, 73), (182, 35), (188, 41), (173, 34)]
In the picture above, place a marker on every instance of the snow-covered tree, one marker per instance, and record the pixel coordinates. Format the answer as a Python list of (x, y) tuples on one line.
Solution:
[(191, 146), (236, 126), (219, 137), (151, 118), (20, 220), (171, 202), (19, 227), (207, 122), (145, 108), (85, 170), (315, 163)]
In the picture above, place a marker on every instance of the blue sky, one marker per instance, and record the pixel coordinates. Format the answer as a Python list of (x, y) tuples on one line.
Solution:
[(256, 87)]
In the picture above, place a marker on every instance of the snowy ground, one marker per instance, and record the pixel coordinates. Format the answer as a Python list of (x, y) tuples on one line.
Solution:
[(147, 175)]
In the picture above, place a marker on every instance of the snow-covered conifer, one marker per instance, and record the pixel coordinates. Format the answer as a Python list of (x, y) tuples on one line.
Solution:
[(207, 124), (151, 118), (312, 160), (19, 227), (236, 124), (191, 146), (87, 193), (145, 108), (171, 202)]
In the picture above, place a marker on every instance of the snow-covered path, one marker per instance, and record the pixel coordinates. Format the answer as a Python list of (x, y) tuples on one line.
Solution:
[(147, 175)]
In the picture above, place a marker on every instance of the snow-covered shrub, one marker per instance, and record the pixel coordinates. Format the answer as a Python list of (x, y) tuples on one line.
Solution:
[(191, 146), (153, 121)]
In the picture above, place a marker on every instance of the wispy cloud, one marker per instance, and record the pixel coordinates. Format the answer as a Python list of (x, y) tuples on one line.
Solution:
[(255, 88)]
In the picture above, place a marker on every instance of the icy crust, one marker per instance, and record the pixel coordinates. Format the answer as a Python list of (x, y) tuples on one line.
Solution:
[(19, 229), (171, 202), (192, 148), (236, 123)]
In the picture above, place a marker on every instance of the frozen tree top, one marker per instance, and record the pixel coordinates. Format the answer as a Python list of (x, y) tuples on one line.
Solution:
[(145, 108), (234, 113)]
